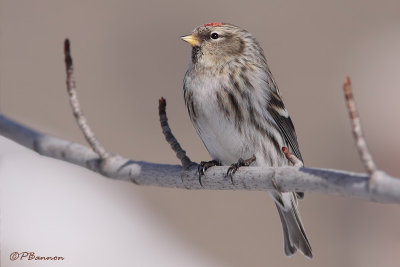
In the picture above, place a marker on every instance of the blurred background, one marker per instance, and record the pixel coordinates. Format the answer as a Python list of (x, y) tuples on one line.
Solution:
[(127, 54)]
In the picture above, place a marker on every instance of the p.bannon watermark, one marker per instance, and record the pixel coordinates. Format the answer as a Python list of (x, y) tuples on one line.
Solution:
[(31, 256)]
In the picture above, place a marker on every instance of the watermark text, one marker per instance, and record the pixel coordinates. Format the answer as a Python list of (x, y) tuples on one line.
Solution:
[(31, 256)]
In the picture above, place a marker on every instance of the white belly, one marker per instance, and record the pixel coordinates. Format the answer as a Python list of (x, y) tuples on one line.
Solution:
[(218, 131)]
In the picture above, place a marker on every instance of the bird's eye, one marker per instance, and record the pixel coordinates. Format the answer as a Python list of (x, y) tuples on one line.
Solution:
[(214, 35)]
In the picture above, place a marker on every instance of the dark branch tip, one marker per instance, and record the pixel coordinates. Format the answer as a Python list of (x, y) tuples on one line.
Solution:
[(67, 46), (162, 101), (68, 58)]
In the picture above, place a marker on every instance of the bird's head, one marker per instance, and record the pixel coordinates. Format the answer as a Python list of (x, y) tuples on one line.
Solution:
[(215, 44)]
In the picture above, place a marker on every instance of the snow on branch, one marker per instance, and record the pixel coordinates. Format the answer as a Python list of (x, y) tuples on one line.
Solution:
[(374, 186)]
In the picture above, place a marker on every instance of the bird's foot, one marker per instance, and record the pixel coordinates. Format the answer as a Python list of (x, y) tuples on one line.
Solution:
[(241, 163), (204, 165)]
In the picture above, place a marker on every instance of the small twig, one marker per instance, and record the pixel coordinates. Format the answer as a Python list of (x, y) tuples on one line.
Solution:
[(361, 145), (292, 158), (180, 153), (76, 109)]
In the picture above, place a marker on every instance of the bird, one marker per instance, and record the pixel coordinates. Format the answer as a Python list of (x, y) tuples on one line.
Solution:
[(236, 109)]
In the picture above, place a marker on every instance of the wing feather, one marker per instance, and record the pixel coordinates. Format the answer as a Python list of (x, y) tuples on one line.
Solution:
[(281, 117)]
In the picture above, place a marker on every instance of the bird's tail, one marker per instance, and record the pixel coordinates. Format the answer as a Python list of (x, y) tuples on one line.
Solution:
[(293, 231)]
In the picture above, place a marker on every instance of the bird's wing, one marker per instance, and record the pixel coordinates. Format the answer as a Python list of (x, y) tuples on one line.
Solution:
[(281, 117)]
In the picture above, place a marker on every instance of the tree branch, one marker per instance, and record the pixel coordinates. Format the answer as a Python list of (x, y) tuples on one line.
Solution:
[(361, 144), (170, 138), (292, 158), (76, 108), (165, 175), (384, 188)]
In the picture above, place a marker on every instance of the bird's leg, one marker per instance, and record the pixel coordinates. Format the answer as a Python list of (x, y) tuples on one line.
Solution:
[(204, 165), (241, 163)]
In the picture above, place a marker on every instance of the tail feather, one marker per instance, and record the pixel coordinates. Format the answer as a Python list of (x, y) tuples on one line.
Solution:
[(293, 231), (288, 246)]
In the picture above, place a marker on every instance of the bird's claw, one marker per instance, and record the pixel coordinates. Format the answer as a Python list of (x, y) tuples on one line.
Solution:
[(241, 163), (200, 169), (233, 168), (204, 165)]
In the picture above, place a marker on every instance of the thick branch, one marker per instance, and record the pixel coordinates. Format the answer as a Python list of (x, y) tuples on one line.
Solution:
[(385, 189)]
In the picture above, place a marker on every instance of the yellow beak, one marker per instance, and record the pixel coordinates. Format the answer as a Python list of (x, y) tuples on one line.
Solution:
[(192, 40)]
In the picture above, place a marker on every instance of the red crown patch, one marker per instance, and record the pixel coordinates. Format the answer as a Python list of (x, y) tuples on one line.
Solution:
[(213, 24)]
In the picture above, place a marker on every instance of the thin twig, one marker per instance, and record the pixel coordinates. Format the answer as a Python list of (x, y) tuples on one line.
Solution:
[(292, 158), (76, 109), (180, 153), (361, 145)]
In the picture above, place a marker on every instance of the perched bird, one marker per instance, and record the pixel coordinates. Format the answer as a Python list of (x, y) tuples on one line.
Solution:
[(236, 108)]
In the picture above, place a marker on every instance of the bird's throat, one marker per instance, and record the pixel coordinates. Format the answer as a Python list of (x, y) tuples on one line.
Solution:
[(196, 54)]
